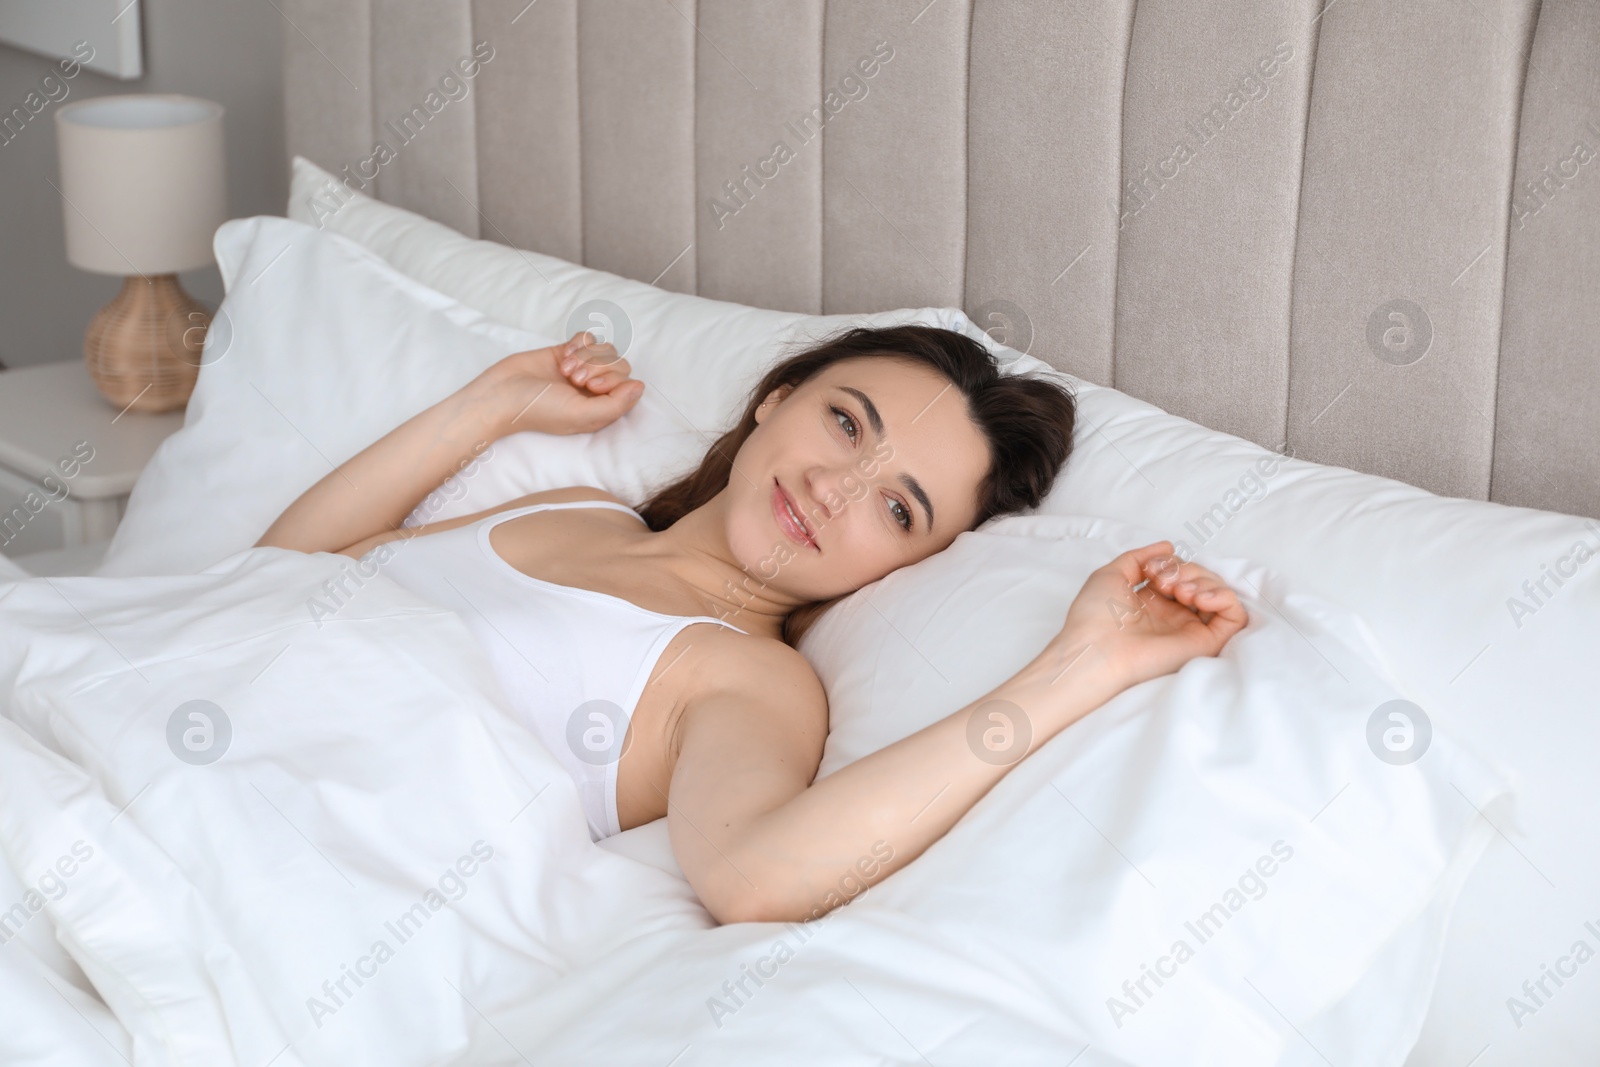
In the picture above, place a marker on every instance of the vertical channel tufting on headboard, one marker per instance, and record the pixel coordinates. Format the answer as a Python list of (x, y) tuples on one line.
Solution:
[(894, 172), (423, 108), (1211, 165), (1548, 403), (1400, 274), (528, 118), (1370, 233), (636, 83), (327, 84), (1044, 141), (758, 161)]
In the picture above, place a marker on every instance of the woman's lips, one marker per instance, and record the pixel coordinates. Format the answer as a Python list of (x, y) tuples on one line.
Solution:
[(787, 522)]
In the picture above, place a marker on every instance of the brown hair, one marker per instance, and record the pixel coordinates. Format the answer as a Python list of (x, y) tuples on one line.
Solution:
[(1027, 420)]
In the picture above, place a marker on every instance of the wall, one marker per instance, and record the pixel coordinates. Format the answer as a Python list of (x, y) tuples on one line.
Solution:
[(230, 51)]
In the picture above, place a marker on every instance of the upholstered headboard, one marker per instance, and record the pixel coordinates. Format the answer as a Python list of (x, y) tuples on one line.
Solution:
[(1366, 230)]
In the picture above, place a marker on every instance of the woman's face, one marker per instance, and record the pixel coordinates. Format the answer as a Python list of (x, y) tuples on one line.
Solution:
[(878, 459)]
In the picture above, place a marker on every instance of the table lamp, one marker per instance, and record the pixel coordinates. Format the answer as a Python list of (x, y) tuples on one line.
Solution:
[(143, 190)]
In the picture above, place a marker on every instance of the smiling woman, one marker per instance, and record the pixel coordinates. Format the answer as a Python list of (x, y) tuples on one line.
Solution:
[(959, 442), (652, 651)]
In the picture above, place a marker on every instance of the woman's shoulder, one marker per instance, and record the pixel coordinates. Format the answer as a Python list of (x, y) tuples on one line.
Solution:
[(754, 667)]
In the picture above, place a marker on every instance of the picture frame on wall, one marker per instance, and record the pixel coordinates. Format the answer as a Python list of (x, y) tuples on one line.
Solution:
[(102, 35)]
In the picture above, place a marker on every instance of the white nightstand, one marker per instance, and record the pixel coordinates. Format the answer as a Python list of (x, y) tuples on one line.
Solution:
[(68, 459)]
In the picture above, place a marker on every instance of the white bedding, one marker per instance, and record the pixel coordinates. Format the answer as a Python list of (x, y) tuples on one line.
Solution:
[(368, 758), (218, 906), (929, 964)]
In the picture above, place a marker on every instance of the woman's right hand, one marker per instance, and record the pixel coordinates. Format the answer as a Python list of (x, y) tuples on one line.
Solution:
[(1124, 637), (575, 387)]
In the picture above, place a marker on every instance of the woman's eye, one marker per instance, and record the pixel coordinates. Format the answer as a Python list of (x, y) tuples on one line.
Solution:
[(853, 430)]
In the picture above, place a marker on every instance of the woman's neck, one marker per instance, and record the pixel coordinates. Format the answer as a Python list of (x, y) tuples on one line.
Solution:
[(694, 552)]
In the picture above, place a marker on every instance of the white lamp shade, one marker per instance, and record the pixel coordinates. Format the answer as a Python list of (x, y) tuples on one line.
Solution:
[(143, 180)]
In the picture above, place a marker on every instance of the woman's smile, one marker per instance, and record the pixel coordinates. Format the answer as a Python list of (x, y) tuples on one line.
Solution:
[(788, 516)]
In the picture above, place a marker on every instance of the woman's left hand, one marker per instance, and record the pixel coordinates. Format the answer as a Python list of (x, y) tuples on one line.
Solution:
[(575, 387), (1185, 611)]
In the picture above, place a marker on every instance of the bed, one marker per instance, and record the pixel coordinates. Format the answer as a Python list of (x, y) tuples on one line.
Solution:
[(1365, 395)]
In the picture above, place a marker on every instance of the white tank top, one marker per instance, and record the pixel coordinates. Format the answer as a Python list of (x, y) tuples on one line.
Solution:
[(573, 661)]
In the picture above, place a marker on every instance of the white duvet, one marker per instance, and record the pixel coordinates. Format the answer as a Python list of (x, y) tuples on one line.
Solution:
[(378, 856), (241, 834)]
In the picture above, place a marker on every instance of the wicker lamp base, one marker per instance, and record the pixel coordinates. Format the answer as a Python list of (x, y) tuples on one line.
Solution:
[(143, 349)]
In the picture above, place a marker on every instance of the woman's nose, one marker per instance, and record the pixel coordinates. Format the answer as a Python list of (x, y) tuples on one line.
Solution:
[(826, 486), (816, 480)]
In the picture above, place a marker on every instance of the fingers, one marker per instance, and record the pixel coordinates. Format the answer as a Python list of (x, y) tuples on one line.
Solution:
[(1208, 596), (606, 408), (1189, 584), (1228, 616), (1133, 565), (605, 380), (1165, 569), (1180, 580), (583, 344), (596, 367)]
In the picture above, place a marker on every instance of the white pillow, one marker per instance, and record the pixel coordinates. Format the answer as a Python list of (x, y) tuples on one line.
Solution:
[(321, 348)]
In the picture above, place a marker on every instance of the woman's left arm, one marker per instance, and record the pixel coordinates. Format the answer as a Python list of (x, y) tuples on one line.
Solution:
[(760, 841), (575, 387)]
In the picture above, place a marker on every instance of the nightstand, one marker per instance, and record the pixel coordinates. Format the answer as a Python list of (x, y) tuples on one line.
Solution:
[(68, 459)]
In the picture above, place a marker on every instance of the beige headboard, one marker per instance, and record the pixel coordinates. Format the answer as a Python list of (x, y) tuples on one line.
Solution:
[(1366, 229)]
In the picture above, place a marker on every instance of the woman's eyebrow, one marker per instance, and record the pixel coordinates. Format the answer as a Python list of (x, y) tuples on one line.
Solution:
[(877, 428), (872, 410)]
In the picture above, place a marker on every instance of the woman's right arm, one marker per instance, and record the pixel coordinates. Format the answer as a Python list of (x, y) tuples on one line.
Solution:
[(375, 490), (578, 387)]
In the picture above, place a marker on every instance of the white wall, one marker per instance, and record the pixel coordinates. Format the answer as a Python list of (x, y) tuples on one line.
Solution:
[(230, 51)]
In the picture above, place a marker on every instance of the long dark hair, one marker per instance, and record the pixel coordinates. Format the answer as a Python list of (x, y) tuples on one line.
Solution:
[(1027, 419)]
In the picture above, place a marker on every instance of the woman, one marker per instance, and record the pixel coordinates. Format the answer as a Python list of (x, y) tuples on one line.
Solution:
[(853, 458)]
